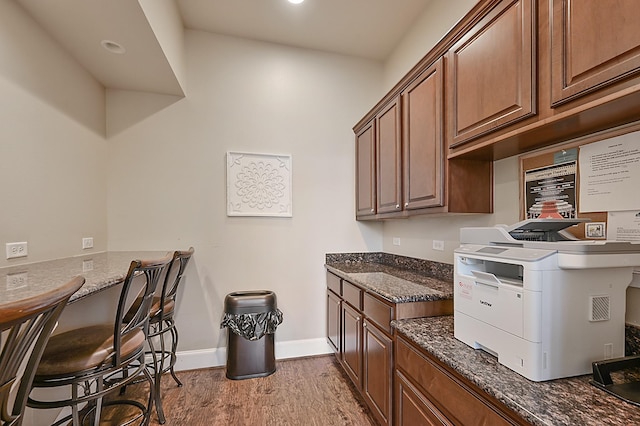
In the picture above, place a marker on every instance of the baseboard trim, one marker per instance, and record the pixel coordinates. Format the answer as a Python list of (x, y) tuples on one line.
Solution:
[(217, 357)]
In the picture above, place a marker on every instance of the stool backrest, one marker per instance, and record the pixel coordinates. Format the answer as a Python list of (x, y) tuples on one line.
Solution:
[(174, 277), (131, 317), (26, 326)]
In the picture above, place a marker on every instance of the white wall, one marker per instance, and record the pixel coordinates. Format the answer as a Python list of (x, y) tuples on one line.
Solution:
[(167, 185), (417, 234), (437, 19), (52, 152)]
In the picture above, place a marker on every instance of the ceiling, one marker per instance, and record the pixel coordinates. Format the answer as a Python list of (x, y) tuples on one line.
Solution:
[(365, 28)]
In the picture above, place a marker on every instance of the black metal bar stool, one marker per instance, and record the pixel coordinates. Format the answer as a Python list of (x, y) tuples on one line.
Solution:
[(26, 325), (99, 359), (162, 322)]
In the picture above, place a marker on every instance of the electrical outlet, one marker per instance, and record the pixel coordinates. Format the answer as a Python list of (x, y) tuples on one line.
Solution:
[(438, 245), (87, 243), (16, 250), (17, 280), (608, 350), (396, 241), (87, 265)]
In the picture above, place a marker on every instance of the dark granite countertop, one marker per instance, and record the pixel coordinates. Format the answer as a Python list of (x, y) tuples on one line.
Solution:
[(398, 279), (571, 401)]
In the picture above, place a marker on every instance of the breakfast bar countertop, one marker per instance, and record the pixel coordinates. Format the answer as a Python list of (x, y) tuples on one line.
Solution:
[(570, 401), (100, 270)]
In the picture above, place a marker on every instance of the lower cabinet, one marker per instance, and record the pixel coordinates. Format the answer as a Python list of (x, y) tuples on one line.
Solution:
[(401, 384), (359, 331), (377, 355), (333, 321), (428, 393), (413, 408), (352, 343), (367, 351)]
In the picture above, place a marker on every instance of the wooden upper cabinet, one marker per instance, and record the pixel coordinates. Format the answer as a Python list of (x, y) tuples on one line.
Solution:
[(389, 158), (423, 140), (491, 72), (594, 43), (366, 170)]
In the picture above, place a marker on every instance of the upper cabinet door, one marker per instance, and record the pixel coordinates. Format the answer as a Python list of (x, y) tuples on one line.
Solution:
[(366, 171), (423, 141), (389, 155), (594, 44), (491, 72)]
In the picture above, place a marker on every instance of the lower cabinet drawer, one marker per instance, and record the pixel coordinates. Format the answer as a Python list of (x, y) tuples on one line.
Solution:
[(378, 312), (458, 403), (352, 294), (333, 283)]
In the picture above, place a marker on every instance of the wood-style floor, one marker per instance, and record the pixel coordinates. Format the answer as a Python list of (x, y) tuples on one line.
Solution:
[(303, 391)]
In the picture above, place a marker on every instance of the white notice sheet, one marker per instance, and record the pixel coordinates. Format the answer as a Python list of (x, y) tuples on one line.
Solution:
[(624, 226), (610, 174)]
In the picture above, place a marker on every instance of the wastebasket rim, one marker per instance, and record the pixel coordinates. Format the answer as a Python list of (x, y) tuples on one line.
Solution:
[(250, 293)]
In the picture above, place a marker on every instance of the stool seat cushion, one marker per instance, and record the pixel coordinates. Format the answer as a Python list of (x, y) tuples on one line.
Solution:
[(154, 314), (85, 348), (169, 306)]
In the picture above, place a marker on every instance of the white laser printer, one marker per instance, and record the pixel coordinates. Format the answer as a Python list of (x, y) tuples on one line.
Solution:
[(546, 304)]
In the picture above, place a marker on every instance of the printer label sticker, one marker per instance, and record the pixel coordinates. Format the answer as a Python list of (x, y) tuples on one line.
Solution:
[(465, 290)]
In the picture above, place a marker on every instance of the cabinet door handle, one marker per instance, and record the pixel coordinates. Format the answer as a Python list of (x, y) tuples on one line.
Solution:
[(406, 204), (364, 325), (397, 206), (371, 210)]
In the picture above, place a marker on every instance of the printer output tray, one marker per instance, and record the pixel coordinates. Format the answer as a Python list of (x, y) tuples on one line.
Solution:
[(629, 389)]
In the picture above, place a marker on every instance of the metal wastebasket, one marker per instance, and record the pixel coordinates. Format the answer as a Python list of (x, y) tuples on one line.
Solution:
[(252, 318)]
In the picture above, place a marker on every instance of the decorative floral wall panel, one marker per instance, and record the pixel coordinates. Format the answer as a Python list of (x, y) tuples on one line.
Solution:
[(258, 184)]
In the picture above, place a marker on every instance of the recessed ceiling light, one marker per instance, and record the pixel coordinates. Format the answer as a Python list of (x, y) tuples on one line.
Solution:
[(113, 47), (296, 1)]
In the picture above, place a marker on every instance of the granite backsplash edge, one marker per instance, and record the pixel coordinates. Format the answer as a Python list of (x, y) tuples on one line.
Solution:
[(441, 271)]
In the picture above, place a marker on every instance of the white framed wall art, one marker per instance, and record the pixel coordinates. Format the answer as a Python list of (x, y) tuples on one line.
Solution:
[(258, 184)]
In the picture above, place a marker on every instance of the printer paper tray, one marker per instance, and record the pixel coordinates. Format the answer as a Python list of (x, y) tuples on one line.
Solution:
[(629, 390)]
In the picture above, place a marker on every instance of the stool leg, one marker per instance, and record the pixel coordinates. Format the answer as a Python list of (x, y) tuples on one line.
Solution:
[(125, 374), (75, 415), (100, 388), (152, 397), (174, 348), (155, 380)]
